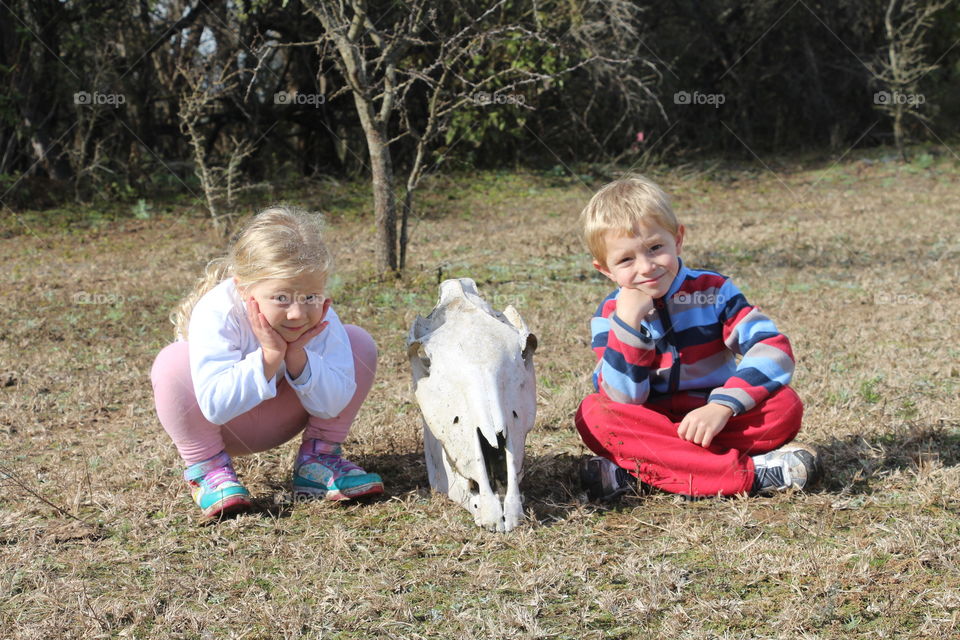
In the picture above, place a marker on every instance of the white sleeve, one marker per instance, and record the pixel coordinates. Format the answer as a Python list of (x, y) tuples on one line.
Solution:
[(227, 382), (328, 382)]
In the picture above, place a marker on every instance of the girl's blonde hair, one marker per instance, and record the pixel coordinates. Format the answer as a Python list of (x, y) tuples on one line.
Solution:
[(621, 206), (280, 242)]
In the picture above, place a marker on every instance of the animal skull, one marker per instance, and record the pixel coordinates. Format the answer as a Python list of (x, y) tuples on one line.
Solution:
[(473, 379)]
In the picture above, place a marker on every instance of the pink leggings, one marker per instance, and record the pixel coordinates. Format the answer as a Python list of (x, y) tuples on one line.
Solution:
[(269, 424)]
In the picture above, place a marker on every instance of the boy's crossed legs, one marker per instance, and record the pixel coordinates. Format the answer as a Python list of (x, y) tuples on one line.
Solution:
[(643, 440)]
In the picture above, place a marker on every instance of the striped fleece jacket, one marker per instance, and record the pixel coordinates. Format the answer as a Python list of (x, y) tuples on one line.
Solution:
[(689, 342)]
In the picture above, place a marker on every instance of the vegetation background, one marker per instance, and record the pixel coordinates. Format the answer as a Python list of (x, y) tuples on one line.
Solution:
[(762, 119)]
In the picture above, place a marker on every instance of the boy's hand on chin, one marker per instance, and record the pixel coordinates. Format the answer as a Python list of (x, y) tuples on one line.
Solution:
[(633, 305)]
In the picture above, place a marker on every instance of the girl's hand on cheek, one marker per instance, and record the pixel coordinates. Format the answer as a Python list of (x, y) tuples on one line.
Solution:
[(267, 336)]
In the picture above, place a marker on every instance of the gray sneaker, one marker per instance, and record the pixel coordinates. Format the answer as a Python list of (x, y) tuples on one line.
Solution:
[(792, 466), (603, 480)]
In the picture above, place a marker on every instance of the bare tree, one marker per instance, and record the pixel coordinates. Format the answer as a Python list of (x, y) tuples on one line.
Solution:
[(219, 173), (411, 67), (901, 67)]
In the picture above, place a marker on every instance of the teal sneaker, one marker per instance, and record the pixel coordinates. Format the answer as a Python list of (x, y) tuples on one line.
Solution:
[(215, 488), (321, 472)]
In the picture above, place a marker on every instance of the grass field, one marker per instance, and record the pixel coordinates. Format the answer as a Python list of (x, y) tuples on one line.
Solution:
[(857, 263)]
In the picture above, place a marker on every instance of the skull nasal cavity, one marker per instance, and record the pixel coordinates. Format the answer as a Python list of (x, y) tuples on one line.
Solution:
[(456, 419)]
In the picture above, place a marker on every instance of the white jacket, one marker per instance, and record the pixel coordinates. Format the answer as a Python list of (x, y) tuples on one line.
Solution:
[(226, 362)]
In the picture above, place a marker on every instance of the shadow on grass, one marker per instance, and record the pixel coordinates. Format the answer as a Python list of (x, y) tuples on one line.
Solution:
[(551, 486), (550, 483), (854, 463), (401, 472)]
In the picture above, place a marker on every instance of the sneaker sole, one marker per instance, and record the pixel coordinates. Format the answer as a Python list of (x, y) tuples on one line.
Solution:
[(338, 495), (227, 506), (816, 472)]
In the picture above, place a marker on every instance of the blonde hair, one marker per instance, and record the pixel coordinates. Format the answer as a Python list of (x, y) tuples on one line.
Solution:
[(621, 206), (280, 242)]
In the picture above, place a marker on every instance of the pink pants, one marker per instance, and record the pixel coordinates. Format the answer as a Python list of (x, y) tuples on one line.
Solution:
[(269, 424), (643, 440)]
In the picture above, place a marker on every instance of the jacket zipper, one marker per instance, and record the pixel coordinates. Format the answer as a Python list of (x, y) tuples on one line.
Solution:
[(674, 381)]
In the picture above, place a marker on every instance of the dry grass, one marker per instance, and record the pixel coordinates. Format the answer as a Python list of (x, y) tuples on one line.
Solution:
[(857, 263)]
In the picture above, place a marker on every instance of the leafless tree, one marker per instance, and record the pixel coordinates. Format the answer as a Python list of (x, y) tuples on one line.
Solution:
[(902, 65), (216, 166), (409, 69)]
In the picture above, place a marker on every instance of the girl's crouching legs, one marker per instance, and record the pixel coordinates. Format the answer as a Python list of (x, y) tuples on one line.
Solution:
[(196, 438)]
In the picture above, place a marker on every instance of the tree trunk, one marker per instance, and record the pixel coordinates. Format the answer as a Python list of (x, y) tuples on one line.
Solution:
[(46, 151), (898, 132), (384, 201), (404, 224)]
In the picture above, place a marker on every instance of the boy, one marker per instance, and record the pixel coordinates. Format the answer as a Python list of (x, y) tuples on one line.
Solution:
[(673, 406)]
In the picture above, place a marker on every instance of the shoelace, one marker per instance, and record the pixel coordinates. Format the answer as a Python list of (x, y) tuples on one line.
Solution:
[(339, 464), (216, 478)]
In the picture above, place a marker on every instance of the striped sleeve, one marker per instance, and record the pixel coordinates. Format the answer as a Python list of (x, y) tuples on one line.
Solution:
[(625, 356), (767, 359)]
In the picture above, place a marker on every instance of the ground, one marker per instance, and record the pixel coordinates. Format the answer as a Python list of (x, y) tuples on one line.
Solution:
[(856, 261)]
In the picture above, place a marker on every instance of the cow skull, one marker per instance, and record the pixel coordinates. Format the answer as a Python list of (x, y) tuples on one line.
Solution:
[(473, 379)]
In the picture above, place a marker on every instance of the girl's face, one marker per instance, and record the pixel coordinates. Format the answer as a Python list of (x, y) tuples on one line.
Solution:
[(290, 306)]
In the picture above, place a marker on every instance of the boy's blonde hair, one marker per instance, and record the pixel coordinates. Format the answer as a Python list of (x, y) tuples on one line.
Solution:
[(280, 242), (621, 206)]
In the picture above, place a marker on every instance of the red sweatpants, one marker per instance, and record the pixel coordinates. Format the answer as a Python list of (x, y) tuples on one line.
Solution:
[(643, 440)]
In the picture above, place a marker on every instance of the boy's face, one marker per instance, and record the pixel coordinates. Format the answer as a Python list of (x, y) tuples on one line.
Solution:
[(645, 260)]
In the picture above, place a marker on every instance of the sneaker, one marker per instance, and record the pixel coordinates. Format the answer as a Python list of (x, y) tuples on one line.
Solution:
[(321, 472), (792, 466), (215, 488), (603, 480)]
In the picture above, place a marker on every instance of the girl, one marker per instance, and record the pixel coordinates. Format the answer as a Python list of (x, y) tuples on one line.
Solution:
[(261, 356)]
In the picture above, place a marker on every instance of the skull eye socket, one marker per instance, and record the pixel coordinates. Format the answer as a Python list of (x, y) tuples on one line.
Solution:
[(529, 347), (424, 358), (419, 359), (515, 416)]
